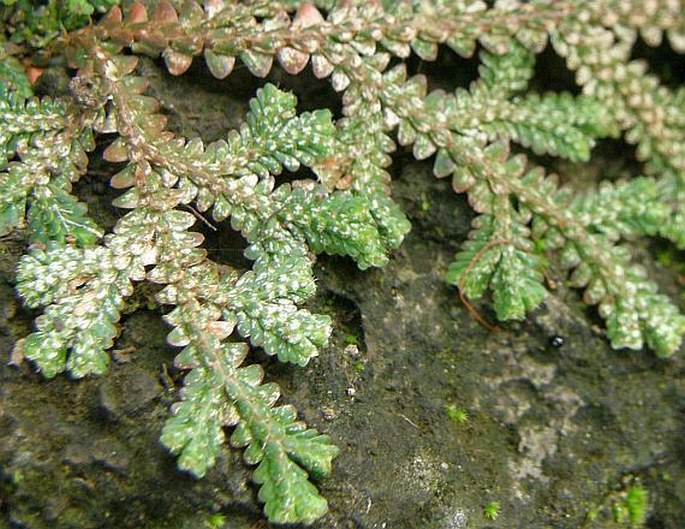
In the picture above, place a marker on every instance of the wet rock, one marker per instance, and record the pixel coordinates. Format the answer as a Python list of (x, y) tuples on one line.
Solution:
[(106, 451), (127, 391)]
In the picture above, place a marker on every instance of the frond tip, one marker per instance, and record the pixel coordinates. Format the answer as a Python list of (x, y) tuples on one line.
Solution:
[(83, 293), (489, 262), (285, 451), (640, 316)]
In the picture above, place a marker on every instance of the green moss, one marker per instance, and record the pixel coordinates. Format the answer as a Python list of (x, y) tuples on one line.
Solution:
[(627, 507), (351, 339), (216, 521), (631, 507), (492, 510), (457, 414), (637, 502)]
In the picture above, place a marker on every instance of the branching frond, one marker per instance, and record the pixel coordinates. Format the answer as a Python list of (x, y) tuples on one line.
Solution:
[(493, 259), (84, 292), (219, 392), (43, 149), (584, 235), (623, 210)]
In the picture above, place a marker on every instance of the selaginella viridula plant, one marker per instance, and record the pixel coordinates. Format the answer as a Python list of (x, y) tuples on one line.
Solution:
[(82, 276)]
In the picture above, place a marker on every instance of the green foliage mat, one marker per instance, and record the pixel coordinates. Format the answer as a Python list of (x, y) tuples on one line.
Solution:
[(82, 275)]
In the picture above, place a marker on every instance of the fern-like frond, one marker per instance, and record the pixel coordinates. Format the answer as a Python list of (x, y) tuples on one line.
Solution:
[(83, 292), (639, 315), (43, 149), (340, 223), (625, 209), (489, 261), (81, 276), (275, 136), (219, 392), (21, 117), (263, 303), (584, 232), (56, 215), (195, 431)]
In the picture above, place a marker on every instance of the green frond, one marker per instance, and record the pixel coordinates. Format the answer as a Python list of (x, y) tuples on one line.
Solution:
[(498, 254), (14, 188), (507, 74), (195, 429), (517, 284), (279, 137), (554, 124), (391, 221), (263, 303), (624, 209), (340, 223), (56, 215), (473, 267), (48, 150), (370, 178), (22, 117), (637, 315), (586, 244), (287, 494), (226, 394), (83, 293), (488, 261)]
